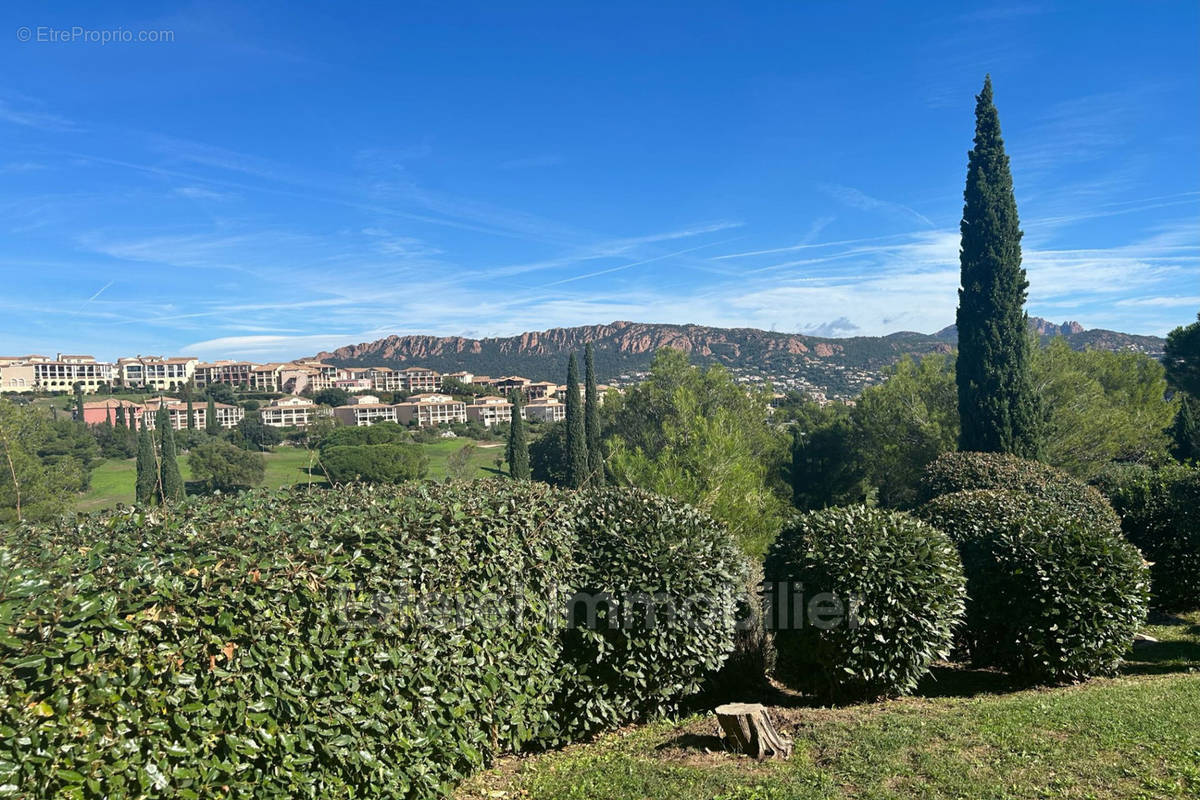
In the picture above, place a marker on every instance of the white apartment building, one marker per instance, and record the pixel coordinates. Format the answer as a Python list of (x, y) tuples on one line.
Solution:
[(227, 416), (420, 379), (155, 372), (491, 411), (63, 373), (428, 410), (291, 412), (366, 413), (547, 410)]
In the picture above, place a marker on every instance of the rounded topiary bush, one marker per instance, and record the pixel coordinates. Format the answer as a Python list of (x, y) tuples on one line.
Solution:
[(958, 472), (881, 595), (1054, 593), (1160, 513), (352, 642), (654, 608)]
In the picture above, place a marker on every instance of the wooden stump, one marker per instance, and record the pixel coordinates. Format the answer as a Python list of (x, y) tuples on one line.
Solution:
[(748, 730)]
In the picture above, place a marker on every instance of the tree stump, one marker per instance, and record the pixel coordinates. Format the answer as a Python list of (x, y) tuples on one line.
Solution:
[(748, 730)]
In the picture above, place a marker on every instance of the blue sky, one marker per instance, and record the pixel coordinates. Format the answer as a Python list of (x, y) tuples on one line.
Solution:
[(281, 179)]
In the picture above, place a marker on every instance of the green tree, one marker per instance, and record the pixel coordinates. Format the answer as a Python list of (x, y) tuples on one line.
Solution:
[(221, 392), (221, 466), (996, 399), (211, 426), (257, 435), (825, 468), (79, 402), (172, 481), (32, 487), (1181, 357), (120, 423), (548, 455), (1100, 407), (902, 424), (375, 463), (696, 435), (517, 452), (591, 419), (191, 416), (577, 457), (146, 487), (1185, 431), (332, 397), (458, 463)]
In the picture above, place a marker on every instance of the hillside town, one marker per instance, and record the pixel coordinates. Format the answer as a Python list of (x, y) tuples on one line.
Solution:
[(427, 400)]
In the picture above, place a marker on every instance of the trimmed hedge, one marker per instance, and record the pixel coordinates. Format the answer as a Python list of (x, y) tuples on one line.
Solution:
[(1053, 593), (268, 643), (374, 463), (664, 581), (900, 586), (1160, 513)]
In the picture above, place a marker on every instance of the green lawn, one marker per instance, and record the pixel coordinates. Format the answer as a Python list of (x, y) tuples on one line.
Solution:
[(112, 480), (968, 736)]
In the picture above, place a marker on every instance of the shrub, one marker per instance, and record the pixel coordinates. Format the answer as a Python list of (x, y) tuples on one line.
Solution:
[(374, 463), (1160, 513), (895, 594), (379, 433), (1054, 593), (219, 465), (957, 472), (665, 580), (266, 645)]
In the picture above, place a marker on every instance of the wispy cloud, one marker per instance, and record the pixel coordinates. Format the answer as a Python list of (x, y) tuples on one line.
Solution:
[(856, 198), (30, 118)]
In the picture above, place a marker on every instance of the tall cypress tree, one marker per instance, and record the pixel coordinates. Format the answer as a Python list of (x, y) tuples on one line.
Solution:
[(577, 458), (146, 488), (1186, 431), (191, 418), (518, 448), (996, 400), (591, 419), (211, 426), (121, 416), (79, 402), (172, 480)]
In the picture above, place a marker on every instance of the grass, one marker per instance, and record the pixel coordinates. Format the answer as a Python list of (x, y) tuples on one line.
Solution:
[(966, 735), (112, 481)]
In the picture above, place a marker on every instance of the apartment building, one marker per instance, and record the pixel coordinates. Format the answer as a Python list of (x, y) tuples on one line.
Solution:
[(227, 416), (65, 372), (266, 377), (540, 390), (235, 373), (461, 377), (103, 411), (155, 372), (16, 374), (560, 392), (386, 379), (420, 379), (366, 413), (354, 385), (291, 412), (547, 410), (491, 411), (430, 410), (505, 386)]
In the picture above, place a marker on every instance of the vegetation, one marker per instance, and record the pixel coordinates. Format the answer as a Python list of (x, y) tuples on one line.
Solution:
[(880, 595), (332, 397), (1181, 358), (577, 455), (377, 463), (33, 486), (172, 480), (653, 610), (591, 413), (146, 485), (996, 401), (1160, 513), (1053, 595), (696, 435), (220, 466), (517, 451)]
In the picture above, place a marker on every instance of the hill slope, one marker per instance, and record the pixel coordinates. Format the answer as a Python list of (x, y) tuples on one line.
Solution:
[(841, 367)]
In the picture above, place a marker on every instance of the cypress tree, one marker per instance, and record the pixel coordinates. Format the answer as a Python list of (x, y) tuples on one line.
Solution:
[(79, 402), (121, 417), (577, 458), (191, 419), (591, 419), (518, 448), (211, 426), (146, 488), (172, 480), (996, 399), (1186, 431)]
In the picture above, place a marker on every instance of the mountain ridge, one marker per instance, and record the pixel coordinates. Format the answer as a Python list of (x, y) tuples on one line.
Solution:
[(623, 348)]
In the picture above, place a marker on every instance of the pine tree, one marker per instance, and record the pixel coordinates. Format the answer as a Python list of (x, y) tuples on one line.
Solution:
[(1186, 431), (211, 426), (591, 419), (518, 448), (146, 488), (996, 399), (172, 480), (577, 458)]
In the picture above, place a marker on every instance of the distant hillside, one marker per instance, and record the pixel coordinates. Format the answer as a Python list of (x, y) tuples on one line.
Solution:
[(837, 366)]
